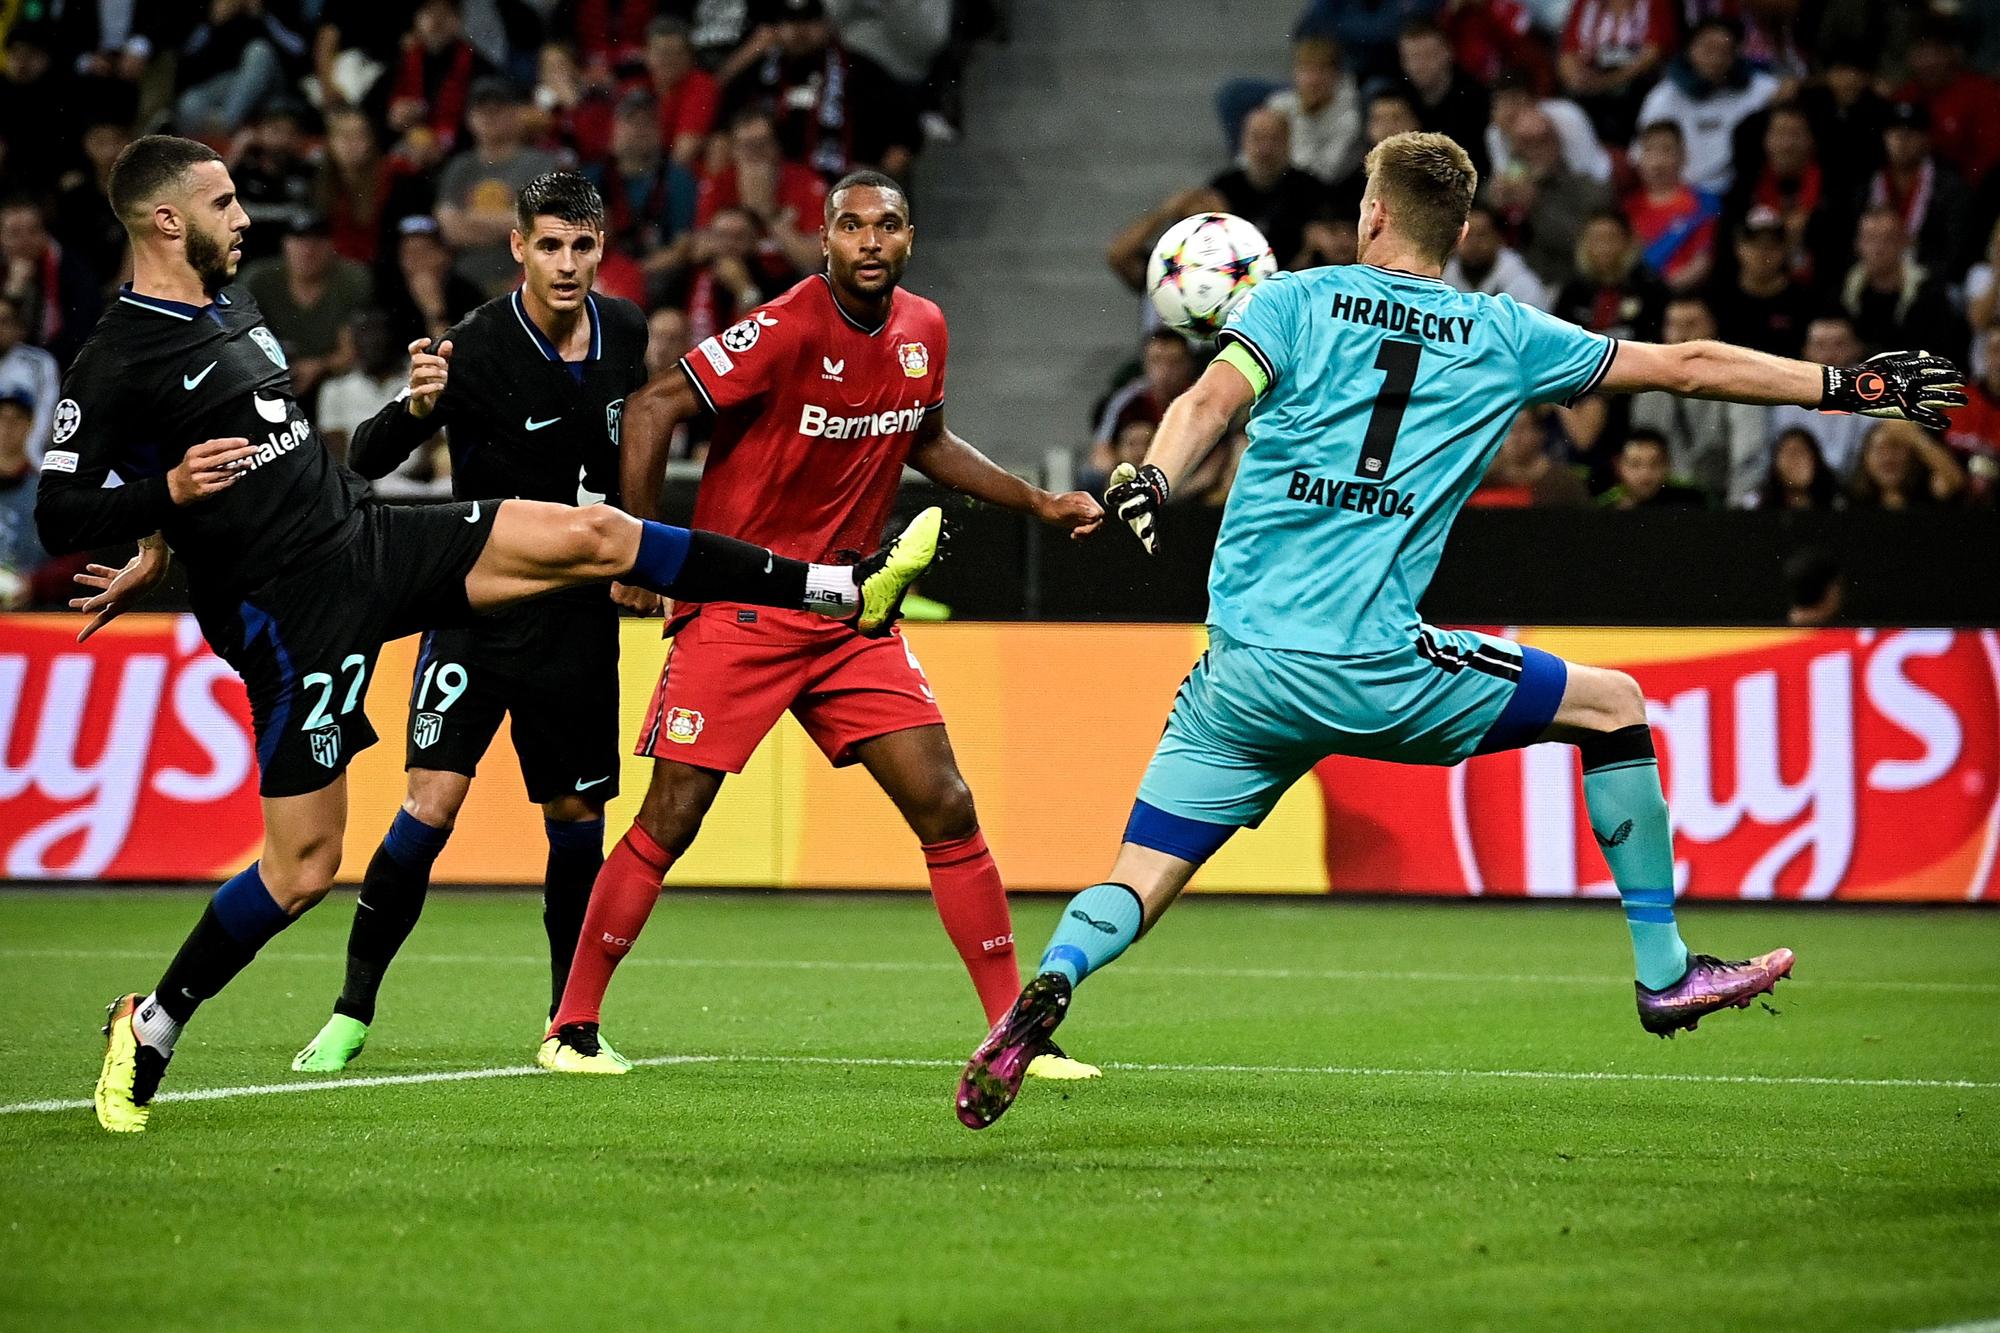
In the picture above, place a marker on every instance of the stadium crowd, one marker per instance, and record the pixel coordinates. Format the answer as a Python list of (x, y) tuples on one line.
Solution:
[(378, 149), (1816, 178)]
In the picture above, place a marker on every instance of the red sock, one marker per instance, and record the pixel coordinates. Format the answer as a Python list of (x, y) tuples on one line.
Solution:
[(972, 902), (620, 901)]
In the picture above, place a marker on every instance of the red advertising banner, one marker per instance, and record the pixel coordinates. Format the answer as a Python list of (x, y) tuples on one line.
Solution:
[(1799, 764)]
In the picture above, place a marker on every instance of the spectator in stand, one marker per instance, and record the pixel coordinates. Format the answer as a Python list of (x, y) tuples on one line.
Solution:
[(22, 558), (1496, 39), (1540, 201), (233, 62), (475, 197), (423, 294), (1982, 298), (352, 186), (31, 82), (274, 176), (607, 33), (1790, 182), (1799, 477), (110, 44), (1128, 444), (1673, 222), (1838, 434), (308, 296), (30, 370), (1975, 428), (1322, 111), (433, 85), (688, 96), (1447, 101), (904, 38), (1524, 476), (1612, 292), (1762, 307), (1644, 477), (1367, 30), (1612, 50), (1719, 448), (1926, 193), (1903, 467), (1848, 112), (835, 110), (1814, 588), (1278, 198), (1708, 91), (83, 214), (1168, 368), (784, 198), (1581, 151), (1390, 111), (735, 267), (648, 196), (1892, 299), (355, 46), (1331, 238), (570, 111), (381, 367), (52, 288), (1485, 263), (1963, 105)]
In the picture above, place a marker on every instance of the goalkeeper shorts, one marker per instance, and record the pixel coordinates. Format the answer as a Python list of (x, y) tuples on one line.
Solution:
[(1249, 722)]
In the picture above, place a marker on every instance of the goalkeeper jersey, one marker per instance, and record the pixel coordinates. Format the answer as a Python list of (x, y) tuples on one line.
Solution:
[(1384, 396)]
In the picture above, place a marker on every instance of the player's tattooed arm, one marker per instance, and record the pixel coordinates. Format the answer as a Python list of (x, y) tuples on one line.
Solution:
[(951, 462)]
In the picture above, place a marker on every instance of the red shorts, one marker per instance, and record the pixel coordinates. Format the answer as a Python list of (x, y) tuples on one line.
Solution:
[(734, 670)]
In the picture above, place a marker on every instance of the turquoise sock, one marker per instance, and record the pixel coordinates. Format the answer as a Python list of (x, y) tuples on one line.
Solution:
[(1628, 815), (1097, 925)]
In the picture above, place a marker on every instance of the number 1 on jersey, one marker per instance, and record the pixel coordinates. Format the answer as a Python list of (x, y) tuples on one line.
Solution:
[(1398, 362)]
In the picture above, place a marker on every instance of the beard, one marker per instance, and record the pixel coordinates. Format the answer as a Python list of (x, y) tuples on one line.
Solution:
[(209, 258)]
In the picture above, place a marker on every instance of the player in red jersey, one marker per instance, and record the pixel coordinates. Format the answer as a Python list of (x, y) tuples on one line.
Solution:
[(820, 398)]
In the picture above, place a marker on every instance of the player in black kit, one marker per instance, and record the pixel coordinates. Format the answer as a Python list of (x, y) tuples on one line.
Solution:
[(296, 576), (536, 383)]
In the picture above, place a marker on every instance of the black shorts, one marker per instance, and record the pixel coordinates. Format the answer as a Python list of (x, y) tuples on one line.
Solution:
[(305, 641), (551, 667)]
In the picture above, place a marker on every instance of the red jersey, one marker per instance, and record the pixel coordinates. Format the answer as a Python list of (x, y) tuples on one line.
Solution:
[(815, 416)]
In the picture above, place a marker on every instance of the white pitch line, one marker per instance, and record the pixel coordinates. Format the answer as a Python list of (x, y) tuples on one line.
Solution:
[(1130, 970), (915, 1062)]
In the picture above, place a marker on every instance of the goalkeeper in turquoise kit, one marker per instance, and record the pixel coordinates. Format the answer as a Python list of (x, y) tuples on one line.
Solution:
[(1378, 396)]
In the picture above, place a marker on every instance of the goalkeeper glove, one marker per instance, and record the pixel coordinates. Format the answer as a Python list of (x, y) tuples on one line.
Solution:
[(1913, 386), (1137, 495)]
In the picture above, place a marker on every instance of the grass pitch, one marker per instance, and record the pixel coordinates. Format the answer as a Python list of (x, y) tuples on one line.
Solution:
[(1317, 1115)]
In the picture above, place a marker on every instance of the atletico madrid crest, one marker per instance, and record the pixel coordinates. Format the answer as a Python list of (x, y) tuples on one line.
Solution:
[(916, 359)]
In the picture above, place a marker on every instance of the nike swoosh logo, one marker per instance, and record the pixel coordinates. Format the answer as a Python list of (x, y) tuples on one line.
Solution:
[(473, 517), (537, 425), (581, 785), (193, 382)]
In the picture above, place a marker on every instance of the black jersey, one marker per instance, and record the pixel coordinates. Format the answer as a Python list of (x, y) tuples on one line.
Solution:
[(158, 377), (522, 422)]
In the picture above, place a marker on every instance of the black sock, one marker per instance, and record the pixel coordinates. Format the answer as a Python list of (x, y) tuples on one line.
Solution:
[(576, 854), (392, 898), (209, 959), (723, 569), (233, 927)]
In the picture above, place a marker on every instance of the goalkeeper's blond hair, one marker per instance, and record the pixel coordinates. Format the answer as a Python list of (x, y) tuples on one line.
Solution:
[(1426, 181)]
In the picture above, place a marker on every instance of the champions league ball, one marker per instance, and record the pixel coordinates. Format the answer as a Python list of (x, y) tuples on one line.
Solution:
[(1203, 267)]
